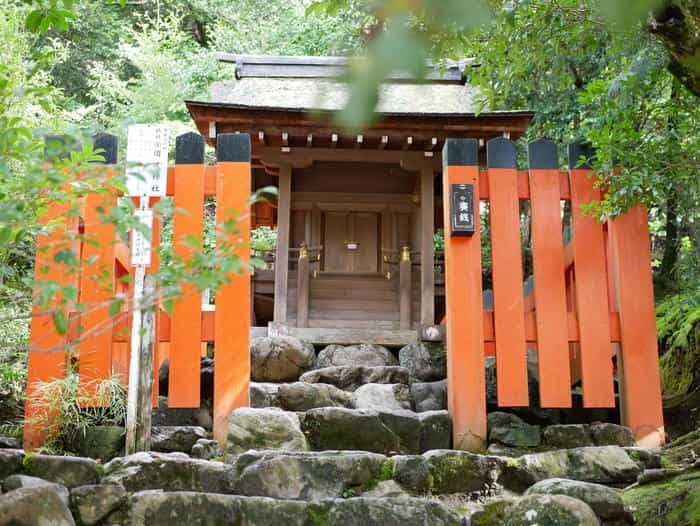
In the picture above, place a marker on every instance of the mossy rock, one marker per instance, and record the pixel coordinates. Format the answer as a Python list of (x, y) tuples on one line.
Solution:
[(675, 501)]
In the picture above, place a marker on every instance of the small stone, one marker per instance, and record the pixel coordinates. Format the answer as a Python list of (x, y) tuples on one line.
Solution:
[(646, 457), (168, 472), (264, 429), (524, 435), (14, 482), (567, 436), (436, 430), (406, 426), (9, 443), (206, 449), (178, 416), (503, 419), (461, 471), (605, 434), (279, 358), (424, 361), (264, 394), (168, 439), (605, 502), (35, 506), (412, 472), (350, 377), (302, 396), (429, 396), (550, 510), (648, 476), (352, 429), (390, 397), (391, 512), (103, 442), (94, 502), (10, 462), (364, 354), (310, 475), (67, 471), (386, 489)]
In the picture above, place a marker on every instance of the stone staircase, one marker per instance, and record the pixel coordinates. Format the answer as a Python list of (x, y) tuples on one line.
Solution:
[(340, 436)]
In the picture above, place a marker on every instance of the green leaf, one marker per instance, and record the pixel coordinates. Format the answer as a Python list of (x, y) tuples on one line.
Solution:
[(60, 322), (34, 19)]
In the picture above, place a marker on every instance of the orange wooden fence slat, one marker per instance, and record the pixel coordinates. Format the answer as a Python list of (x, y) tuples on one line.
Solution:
[(640, 388), (591, 296), (96, 292), (548, 269), (188, 227), (507, 274), (465, 347), (232, 315), (47, 348)]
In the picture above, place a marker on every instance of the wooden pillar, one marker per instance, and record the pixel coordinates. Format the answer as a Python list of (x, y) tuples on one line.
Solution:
[(303, 288), (466, 394), (405, 294), (282, 250), (640, 383), (232, 319), (427, 268), (97, 268), (188, 229)]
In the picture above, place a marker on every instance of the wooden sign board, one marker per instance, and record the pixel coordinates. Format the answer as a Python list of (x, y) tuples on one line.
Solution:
[(147, 160), (462, 209)]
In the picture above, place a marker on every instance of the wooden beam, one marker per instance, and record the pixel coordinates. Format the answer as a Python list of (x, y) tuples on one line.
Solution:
[(282, 250), (427, 271), (299, 157)]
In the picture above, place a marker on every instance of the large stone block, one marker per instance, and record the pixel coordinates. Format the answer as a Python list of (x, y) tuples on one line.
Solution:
[(350, 377), (67, 471), (363, 354), (264, 429), (279, 358), (37, 506)]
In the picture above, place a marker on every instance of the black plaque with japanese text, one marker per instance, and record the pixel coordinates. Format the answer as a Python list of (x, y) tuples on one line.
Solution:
[(462, 209)]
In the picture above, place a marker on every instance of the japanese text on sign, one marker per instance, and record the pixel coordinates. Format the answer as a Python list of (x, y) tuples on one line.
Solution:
[(462, 209), (147, 160), (140, 243)]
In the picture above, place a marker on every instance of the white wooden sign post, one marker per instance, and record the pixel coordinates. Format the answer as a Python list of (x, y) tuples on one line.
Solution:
[(146, 177)]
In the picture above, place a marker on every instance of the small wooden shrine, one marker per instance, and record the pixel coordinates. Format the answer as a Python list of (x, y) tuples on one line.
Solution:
[(356, 212)]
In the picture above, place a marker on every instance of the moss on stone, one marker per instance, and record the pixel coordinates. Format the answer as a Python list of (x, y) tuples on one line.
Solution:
[(387, 470), (27, 462), (675, 501), (317, 514), (493, 514)]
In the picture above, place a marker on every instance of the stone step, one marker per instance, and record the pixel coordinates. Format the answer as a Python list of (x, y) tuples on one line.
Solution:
[(339, 428)]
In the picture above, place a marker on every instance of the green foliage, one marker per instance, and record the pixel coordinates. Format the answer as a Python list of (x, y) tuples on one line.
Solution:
[(67, 407), (263, 239)]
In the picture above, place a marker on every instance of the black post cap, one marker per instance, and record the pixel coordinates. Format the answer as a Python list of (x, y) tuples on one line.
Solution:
[(189, 148), (109, 144), (501, 153), (542, 155), (581, 154), (460, 152), (233, 147)]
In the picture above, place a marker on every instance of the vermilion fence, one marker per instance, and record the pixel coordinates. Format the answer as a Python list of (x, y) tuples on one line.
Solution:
[(592, 300), (101, 339)]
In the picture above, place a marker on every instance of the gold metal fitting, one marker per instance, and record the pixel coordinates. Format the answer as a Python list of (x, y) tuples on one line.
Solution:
[(303, 252), (388, 275), (405, 253)]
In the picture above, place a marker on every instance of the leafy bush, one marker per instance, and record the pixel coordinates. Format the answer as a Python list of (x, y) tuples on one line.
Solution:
[(66, 408), (263, 239)]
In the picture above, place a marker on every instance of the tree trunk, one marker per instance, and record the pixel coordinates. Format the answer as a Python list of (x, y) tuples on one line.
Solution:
[(677, 25)]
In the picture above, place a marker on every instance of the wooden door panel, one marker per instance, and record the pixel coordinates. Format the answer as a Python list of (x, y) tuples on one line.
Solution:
[(365, 233), (335, 233)]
